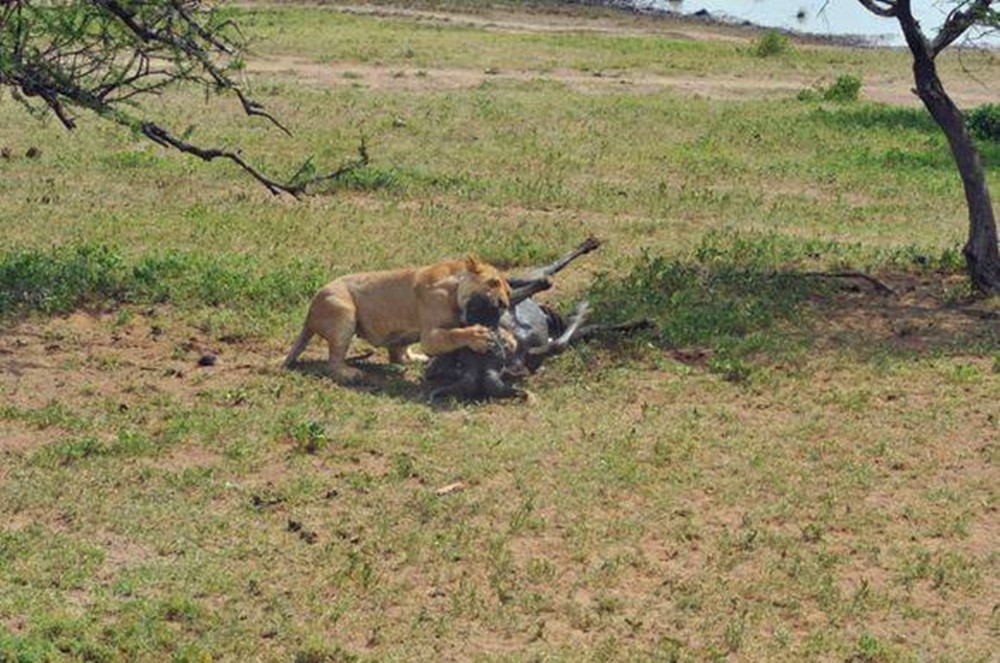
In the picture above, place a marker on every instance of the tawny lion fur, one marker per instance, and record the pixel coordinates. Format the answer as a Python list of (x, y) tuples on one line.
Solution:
[(399, 307)]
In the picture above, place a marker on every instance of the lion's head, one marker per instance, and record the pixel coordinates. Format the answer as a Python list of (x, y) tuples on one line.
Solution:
[(483, 281)]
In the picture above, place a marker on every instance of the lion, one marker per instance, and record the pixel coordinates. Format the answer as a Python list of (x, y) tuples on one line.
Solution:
[(396, 308)]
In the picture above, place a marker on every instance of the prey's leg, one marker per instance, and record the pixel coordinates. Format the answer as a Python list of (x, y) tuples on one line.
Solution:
[(541, 273)]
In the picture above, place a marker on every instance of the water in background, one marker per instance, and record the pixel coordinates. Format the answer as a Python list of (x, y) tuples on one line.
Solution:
[(838, 17)]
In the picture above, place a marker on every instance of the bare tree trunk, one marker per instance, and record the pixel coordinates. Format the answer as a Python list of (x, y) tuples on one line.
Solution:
[(981, 252), (982, 257)]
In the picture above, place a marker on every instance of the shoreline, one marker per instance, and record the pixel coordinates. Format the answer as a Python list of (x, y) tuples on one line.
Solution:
[(707, 18), (621, 8)]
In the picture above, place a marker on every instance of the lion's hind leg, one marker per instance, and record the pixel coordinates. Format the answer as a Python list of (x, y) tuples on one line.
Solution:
[(334, 317)]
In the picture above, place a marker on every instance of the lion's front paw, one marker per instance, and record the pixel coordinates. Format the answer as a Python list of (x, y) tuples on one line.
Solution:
[(479, 338)]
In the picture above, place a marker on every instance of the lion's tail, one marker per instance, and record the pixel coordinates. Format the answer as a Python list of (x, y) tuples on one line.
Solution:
[(300, 344)]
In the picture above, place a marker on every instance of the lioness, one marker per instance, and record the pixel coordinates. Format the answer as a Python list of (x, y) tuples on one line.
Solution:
[(399, 307)]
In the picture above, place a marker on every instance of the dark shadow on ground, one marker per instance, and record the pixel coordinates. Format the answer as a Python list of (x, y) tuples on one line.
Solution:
[(732, 315), (379, 378), (925, 316)]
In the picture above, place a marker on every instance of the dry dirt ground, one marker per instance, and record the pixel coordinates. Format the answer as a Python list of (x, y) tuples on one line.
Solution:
[(72, 358), (87, 361)]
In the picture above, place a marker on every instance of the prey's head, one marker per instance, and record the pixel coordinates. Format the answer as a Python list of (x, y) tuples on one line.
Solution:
[(482, 310)]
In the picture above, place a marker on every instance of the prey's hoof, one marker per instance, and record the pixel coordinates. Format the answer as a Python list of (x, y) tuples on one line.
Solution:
[(409, 357), (405, 355)]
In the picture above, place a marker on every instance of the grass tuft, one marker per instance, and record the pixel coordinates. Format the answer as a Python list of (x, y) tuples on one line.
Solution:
[(845, 89), (308, 436)]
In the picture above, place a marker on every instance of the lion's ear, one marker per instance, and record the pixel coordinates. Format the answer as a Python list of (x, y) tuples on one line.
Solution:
[(473, 264)]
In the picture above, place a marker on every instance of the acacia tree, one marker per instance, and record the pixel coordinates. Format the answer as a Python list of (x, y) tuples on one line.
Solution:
[(981, 255), (104, 56)]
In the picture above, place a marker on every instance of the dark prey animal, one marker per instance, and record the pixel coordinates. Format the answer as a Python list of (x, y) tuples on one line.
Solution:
[(523, 337), (479, 376)]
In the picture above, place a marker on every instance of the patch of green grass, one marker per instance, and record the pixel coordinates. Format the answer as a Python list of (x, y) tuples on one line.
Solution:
[(515, 249), (134, 159), (324, 653), (59, 280), (58, 639), (64, 278), (870, 649), (72, 450), (731, 295), (881, 117), (52, 414), (845, 88), (739, 297), (396, 180)]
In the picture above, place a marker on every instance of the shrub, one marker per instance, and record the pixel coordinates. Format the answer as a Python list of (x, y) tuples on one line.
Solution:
[(983, 122), (809, 94), (845, 88), (773, 42)]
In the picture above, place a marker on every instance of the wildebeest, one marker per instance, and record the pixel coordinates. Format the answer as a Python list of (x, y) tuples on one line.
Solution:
[(523, 336)]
